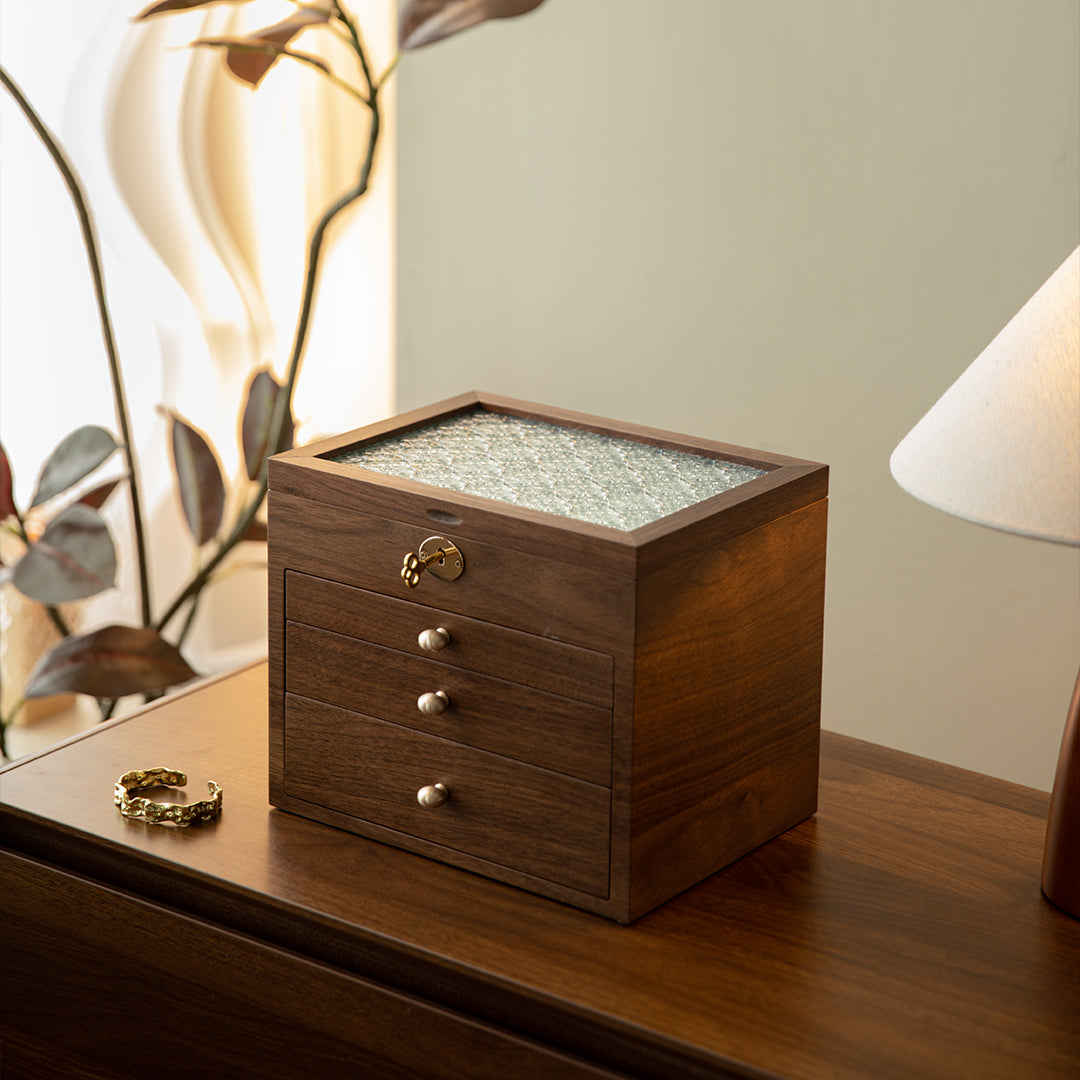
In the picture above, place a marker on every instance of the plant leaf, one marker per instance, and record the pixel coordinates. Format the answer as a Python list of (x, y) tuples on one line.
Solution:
[(255, 422), (109, 663), (164, 6), (73, 558), (96, 498), (255, 532), (7, 487), (198, 477), (78, 455), (251, 66), (250, 57), (423, 22)]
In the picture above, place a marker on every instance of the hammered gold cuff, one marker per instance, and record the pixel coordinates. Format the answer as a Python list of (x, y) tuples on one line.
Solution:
[(163, 813)]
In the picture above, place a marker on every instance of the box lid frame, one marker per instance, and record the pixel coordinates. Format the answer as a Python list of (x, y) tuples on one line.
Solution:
[(787, 484)]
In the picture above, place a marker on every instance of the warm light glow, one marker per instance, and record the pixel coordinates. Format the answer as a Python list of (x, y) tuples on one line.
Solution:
[(1002, 446), (204, 193)]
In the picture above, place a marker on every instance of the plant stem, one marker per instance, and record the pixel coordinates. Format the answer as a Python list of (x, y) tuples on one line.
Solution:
[(188, 620), (389, 70), (58, 621), (90, 242), (279, 424), (361, 52), (5, 723)]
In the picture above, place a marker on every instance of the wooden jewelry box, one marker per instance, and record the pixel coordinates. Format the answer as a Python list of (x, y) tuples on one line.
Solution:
[(578, 656)]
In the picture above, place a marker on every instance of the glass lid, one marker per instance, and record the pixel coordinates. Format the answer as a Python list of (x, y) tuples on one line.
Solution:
[(579, 474)]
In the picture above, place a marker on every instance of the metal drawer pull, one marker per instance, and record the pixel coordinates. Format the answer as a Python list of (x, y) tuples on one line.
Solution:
[(439, 557), (432, 795), (433, 703), (433, 640)]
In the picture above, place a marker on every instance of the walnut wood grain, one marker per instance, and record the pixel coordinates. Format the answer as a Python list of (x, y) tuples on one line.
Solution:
[(1061, 853), (899, 933), (474, 645), (728, 655), (536, 821), (500, 584), (121, 975), (308, 473), (503, 717), (710, 619)]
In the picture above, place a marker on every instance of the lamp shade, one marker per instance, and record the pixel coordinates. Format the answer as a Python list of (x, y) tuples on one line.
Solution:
[(1002, 445)]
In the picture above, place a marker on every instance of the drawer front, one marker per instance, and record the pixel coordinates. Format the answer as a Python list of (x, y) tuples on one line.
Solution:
[(506, 718), (477, 646), (544, 597), (528, 819), (128, 987)]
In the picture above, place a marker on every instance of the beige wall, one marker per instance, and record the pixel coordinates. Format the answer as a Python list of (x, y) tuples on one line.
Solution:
[(788, 225)]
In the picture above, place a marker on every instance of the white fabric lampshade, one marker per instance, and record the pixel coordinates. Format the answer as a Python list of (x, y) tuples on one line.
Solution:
[(1002, 446)]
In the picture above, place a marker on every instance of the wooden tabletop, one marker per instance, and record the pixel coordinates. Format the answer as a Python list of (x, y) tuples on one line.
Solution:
[(899, 933)]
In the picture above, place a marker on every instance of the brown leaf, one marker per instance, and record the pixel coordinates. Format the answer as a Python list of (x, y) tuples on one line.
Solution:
[(73, 558), (7, 487), (96, 498), (165, 6), (249, 59), (255, 423), (109, 663), (252, 56), (255, 532), (198, 476), (423, 22)]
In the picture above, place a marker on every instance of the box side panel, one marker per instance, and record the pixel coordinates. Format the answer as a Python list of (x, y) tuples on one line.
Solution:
[(727, 701)]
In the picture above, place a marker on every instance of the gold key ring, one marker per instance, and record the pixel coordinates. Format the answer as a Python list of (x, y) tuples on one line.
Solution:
[(163, 813)]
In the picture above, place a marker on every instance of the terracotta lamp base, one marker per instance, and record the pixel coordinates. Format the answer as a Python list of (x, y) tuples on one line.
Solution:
[(1061, 856)]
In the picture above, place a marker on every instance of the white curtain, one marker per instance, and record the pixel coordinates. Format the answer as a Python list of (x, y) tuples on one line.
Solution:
[(204, 192)]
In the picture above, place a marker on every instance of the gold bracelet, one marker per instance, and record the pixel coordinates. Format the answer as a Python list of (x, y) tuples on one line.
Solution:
[(163, 813)]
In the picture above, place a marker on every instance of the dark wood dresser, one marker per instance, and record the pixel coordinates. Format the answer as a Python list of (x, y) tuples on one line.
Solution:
[(898, 933)]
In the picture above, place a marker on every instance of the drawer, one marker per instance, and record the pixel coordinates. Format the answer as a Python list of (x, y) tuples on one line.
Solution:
[(506, 718), (544, 597), (478, 646), (532, 820), (83, 992)]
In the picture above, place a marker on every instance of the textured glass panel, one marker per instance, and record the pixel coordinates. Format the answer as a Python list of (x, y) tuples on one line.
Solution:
[(563, 470)]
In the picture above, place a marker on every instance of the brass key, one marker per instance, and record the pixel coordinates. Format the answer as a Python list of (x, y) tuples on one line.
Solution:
[(438, 556)]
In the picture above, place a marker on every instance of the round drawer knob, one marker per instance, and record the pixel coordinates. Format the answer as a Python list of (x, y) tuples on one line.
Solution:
[(432, 795), (433, 640), (433, 704)]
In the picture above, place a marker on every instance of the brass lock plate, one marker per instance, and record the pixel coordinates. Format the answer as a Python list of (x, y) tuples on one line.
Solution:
[(438, 556), (441, 558)]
